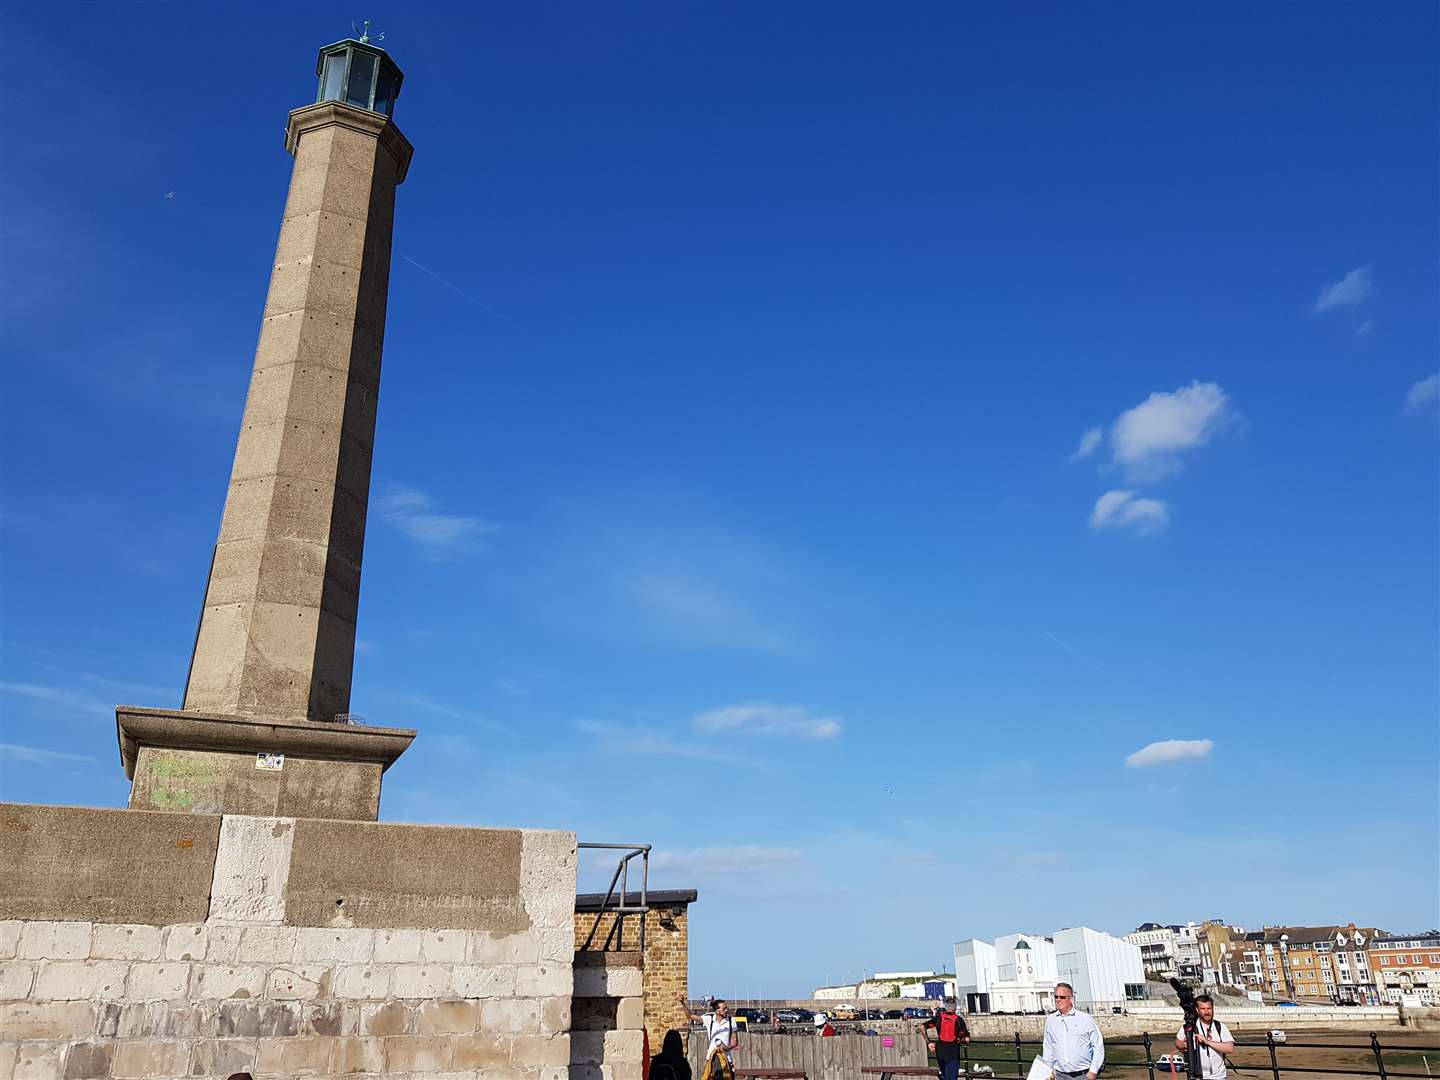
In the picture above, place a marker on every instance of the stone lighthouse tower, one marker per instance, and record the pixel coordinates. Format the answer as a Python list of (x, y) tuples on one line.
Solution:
[(274, 651)]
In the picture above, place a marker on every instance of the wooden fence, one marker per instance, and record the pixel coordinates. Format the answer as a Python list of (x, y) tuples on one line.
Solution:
[(837, 1057)]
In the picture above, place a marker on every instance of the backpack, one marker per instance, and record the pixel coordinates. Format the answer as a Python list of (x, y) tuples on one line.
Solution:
[(951, 1027)]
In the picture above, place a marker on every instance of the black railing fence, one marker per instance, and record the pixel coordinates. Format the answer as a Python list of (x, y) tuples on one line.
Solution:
[(1253, 1058)]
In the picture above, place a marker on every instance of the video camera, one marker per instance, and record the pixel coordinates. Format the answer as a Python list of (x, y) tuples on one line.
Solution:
[(1187, 1003)]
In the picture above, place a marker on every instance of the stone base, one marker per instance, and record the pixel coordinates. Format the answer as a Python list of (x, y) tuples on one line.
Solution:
[(195, 762)]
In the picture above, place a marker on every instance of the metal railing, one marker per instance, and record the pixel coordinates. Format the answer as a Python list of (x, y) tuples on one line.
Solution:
[(619, 905), (1023, 1052)]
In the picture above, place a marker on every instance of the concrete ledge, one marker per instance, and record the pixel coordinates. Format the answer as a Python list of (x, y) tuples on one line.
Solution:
[(176, 729), (74, 863)]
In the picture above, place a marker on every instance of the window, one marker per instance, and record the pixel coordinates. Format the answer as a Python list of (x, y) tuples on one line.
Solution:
[(1385, 961), (1435, 958)]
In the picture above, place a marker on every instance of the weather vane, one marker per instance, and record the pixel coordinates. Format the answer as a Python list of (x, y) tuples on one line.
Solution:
[(364, 35)]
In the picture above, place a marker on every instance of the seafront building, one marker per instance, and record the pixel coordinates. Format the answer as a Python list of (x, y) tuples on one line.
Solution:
[(1017, 973)]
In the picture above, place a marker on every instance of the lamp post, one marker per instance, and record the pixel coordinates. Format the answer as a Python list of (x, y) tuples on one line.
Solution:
[(1285, 966)]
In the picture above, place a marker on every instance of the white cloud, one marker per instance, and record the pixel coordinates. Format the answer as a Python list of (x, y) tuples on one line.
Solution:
[(1363, 330), (58, 696), (768, 718), (439, 535), (743, 859), (37, 756), (1169, 751), (1089, 443), (630, 740), (1354, 288), (1147, 439), (1124, 510), (1424, 395)]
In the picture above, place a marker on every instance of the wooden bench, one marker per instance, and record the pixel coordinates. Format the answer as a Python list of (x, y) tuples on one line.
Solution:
[(769, 1074), (887, 1071)]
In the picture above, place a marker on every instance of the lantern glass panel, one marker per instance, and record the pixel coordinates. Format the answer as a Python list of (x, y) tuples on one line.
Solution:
[(334, 81), (362, 78), (384, 90)]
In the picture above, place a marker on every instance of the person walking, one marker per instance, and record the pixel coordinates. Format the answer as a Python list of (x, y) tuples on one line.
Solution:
[(946, 1033), (1073, 1046)]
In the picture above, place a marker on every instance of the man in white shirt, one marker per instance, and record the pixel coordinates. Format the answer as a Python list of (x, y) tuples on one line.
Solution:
[(1212, 1039), (719, 1025), (1072, 1046)]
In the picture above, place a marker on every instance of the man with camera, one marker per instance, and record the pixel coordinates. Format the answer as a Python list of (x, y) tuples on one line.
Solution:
[(1073, 1046), (719, 1027), (1212, 1039)]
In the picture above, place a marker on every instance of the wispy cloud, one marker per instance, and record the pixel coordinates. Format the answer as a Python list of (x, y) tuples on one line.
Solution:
[(1082, 658), (439, 536), (1147, 440), (60, 697), (1089, 443), (465, 716), (743, 859), (1363, 330), (1126, 510), (1354, 288), (1169, 751), (1424, 395), (626, 739), (768, 718), (37, 756)]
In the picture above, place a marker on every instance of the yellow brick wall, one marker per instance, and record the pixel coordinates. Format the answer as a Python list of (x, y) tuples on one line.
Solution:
[(667, 961)]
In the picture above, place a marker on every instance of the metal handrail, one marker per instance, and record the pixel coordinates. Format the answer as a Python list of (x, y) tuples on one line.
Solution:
[(622, 908)]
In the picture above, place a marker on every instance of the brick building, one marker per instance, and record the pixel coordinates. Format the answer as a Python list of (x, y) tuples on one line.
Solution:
[(666, 954)]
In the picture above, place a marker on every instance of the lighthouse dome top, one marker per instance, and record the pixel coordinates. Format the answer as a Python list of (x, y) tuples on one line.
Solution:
[(358, 73)]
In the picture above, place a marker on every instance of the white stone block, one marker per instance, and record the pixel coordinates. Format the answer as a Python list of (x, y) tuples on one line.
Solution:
[(517, 948), (361, 981), (267, 944), (16, 979), (128, 941), (608, 982), (398, 946), (227, 981), (54, 941), (630, 1014), (443, 946), (186, 941), (510, 1016), (9, 938), (421, 981), (320, 945), (543, 980), (252, 868), (534, 1051), (158, 982), (547, 876), (483, 980), (222, 942), (72, 980), (297, 982), (623, 1046), (558, 943)]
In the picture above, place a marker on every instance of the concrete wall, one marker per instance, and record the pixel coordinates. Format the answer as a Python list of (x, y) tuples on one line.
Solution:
[(195, 945)]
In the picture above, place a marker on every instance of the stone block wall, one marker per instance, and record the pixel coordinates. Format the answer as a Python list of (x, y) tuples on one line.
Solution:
[(326, 949), (607, 1039), (666, 961)]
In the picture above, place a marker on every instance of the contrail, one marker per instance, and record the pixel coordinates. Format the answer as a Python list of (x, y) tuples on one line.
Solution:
[(477, 302), (1084, 659)]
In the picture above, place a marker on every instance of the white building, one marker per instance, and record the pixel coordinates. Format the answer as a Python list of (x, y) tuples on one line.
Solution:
[(834, 993), (1105, 971), (1169, 951), (1015, 974), (1018, 972)]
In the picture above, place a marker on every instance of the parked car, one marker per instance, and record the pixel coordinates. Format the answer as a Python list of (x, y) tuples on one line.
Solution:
[(1171, 1063), (842, 1012), (893, 1014), (1276, 1035), (749, 1016), (1287, 1005), (915, 1012), (791, 1016)]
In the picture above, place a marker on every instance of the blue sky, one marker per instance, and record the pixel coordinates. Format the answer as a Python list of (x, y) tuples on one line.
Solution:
[(824, 441)]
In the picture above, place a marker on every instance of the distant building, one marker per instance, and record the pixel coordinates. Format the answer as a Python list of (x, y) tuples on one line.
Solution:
[(1407, 968), (1168, 952), (1308, 963), (1103, 969), (1016, 974), (834, 993)]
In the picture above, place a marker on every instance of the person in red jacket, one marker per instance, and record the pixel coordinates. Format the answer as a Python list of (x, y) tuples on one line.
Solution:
[(947, 1033)]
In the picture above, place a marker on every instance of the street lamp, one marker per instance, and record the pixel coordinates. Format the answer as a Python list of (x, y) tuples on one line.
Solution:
[(1285, 966)]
